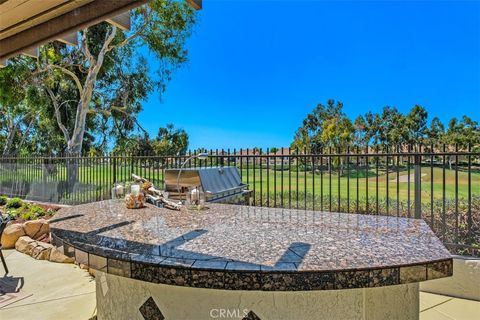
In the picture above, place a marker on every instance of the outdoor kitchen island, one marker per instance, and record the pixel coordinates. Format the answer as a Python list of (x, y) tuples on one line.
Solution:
[(248, 262)]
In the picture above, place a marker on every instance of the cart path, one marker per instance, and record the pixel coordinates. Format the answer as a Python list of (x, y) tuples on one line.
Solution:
[(404, 178)]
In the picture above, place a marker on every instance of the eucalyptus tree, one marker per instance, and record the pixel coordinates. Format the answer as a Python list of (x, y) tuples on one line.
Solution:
[(309, 135), (19, 99), (436, 133), (170, 141), (371, 128), (338, 133), (416, 125), (134, 145), (462, 134), (361, 137), (327, 126), (104, 79), (391, 127)]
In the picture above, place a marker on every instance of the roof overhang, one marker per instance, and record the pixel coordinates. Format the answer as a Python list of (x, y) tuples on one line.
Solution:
[(27, 24)]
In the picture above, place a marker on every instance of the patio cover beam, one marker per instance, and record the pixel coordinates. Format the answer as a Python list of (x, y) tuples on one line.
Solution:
[(32, 52), (70, 39), (195, 4), (121, 21), (65, 24)]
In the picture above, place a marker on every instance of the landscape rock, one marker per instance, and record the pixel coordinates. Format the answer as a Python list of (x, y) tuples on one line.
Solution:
[(36, 228), (83, 266), (25, 245), (41, 250), (57, 256), (11, 234)]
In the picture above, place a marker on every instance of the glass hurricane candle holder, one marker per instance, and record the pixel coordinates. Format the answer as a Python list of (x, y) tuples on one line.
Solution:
[(135, 189), (135, 198), (135, 202), (118, 191), (195, 198)]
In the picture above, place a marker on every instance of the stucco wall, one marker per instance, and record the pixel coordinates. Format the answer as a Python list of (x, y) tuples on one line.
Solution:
[(465, 282), (122, 298)]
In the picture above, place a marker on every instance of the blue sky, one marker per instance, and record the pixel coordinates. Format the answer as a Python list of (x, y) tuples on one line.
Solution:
[(256, 68)]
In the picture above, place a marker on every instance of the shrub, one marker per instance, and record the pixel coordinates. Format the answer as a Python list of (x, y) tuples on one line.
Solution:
[(12, 214), (3, 200), (37, 210), (14, 203), (28, 215)]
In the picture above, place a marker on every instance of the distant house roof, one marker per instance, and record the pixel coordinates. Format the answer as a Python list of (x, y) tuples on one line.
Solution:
[(245, 152), (283, 151)]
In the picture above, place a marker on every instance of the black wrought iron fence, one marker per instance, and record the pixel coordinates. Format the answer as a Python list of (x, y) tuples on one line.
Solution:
[(441, 186)]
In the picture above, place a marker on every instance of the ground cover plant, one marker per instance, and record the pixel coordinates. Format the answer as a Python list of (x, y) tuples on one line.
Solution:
[(19, 211)]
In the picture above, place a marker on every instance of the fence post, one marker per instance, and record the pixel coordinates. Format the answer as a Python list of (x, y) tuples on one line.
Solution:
[(418, 187), (114, 160)]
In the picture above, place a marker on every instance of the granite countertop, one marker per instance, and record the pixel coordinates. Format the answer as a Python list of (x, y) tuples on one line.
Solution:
[(251, 248)]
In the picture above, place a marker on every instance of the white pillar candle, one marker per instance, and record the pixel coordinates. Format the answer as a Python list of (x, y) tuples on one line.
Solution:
[(135, 190), (120, 190), (195, 194)]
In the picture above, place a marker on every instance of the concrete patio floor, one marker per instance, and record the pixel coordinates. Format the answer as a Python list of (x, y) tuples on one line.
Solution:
[(58, 291), (438, 307), (64, 291)]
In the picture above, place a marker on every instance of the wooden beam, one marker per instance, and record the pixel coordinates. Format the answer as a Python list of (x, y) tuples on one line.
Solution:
[(71, 39), (58, 27), (19, 15), (33, 52), (121, 21), (195, 4)]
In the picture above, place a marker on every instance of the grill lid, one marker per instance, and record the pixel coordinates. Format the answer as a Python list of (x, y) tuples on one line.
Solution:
[(213, 179), (219, 179)]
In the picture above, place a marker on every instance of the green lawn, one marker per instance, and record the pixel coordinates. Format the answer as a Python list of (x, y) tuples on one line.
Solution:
[(268, 181), (261, 180)]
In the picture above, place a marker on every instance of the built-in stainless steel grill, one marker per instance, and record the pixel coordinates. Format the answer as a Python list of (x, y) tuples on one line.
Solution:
[(220, 184)]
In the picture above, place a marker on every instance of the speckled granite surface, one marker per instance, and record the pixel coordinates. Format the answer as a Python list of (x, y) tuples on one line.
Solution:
[(251, 248)]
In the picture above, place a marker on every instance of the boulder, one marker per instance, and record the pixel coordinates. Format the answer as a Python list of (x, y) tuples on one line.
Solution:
[(57, 256), (41, 250), (11, 234), (83, 266), (37, 249), (25, 245), (36, 228)]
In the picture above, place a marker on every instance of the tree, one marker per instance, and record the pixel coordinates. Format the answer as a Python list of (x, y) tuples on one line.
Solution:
[(170, 141), (361, 131), (372, 128), (436, 133), (309, 135), (302, 140), (134, 145), (463, 133), (338, 133), (391, 127), (17, 112), (106, 77), (470, 133), (416, 125), (326, 127), (329, 127)]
